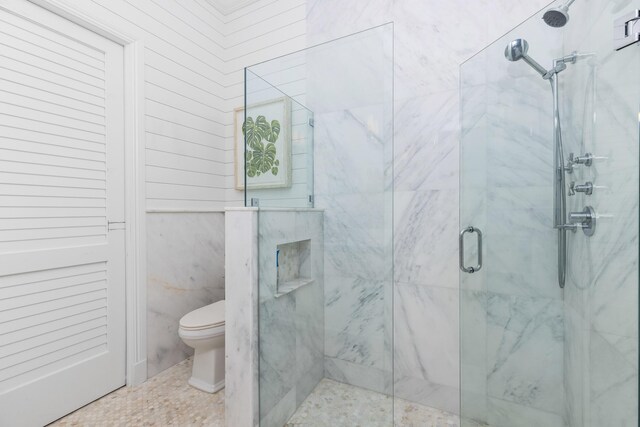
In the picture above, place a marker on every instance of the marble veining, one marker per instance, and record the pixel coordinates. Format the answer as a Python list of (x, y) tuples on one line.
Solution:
[(423, 375), (355, 320), (601, 296), (438, 152), (290, 325), (525, 338), (353, 104), (512, 323), (241, 323), (422, 218), (293, 264), (428, 51), (601, 299), (185, 271)]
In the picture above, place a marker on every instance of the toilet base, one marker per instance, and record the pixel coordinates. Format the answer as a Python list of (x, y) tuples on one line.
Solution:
[(205, 386), (207, 373)]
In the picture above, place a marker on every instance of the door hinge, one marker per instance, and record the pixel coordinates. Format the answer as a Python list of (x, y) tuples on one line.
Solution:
[(625, 32)]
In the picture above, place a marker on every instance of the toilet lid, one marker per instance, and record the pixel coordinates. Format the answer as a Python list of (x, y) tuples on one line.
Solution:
[(208, 316)]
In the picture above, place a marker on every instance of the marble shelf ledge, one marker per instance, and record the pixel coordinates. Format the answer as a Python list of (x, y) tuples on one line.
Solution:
[(292, 285), (274, 209), (239, 208)]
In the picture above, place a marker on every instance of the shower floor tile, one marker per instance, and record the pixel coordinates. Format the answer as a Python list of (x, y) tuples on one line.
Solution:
[(164, 400), (336, 404)]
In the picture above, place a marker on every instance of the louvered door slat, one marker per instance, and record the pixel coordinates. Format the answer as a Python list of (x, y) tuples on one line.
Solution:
[(49, 149), (39, 35), (45, 95), (19, 326), (61, 182), (35, 56)]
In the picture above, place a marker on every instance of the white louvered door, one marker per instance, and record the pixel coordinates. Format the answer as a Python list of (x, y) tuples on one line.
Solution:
[(62, 286)]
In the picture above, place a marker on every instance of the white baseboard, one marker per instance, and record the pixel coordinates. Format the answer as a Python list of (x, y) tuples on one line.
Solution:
[(138, 374)]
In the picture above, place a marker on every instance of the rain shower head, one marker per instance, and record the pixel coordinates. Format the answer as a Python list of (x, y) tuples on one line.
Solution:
[(557, 16), (517, 50)]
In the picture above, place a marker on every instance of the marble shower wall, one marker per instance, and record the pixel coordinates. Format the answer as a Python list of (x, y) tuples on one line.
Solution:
[(185, 271), (291, 324), (241, 322), (529, 352), (358, 257), (432, 38), (601, 297), (350, 92)]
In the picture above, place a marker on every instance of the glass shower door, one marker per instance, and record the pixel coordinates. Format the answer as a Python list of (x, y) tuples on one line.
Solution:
[(533, 353)]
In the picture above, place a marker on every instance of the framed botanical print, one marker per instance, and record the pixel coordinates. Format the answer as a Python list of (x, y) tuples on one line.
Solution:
[(267, 137)]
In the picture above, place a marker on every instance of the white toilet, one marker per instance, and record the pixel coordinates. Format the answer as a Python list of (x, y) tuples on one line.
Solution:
[(203, 329)]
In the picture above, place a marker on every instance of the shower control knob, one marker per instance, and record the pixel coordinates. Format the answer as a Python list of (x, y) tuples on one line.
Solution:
[(570, 165), (585, 219), (586, 188), (586, 160)]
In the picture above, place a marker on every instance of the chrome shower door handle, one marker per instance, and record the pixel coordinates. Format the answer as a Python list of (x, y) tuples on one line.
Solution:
[(461, 249)]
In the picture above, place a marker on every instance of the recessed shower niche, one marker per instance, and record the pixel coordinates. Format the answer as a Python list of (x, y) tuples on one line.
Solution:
[(293, 266)]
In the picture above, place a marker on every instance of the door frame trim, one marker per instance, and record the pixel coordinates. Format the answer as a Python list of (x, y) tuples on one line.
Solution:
[(135, 197)]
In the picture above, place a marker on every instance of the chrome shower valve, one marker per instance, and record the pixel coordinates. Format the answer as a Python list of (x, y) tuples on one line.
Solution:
[(574, 160), (585, 219), (586, 188)]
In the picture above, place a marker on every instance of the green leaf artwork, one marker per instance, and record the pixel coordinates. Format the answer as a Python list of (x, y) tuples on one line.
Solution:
[(261, 156)]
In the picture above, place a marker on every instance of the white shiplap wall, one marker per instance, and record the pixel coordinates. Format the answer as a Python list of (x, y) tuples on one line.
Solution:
[(257, 33), (194, 59)]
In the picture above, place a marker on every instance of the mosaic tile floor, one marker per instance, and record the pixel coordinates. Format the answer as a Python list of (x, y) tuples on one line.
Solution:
[(336, 404), (164, 400), (167, 400)]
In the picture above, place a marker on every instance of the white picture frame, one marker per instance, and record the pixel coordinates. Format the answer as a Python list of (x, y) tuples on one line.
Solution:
[(276, 109)]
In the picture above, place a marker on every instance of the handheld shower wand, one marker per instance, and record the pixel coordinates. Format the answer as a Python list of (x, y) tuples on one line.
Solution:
[(517, 49)]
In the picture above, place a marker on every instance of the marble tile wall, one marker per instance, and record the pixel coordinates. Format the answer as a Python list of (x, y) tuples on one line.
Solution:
[(185, 271), (513, 307), (293, 263), (241, 322), (352, 104), (358, 260), (601, 298), (291, 325), (588, 373), (431, 40)]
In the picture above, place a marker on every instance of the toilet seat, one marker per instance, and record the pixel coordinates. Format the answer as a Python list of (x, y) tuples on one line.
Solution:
[(207, 317), (201, 334)]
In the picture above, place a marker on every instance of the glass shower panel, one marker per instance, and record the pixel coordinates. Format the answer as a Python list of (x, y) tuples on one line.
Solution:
[(326, 262), (601, 297), (278, 140), (532, 353)]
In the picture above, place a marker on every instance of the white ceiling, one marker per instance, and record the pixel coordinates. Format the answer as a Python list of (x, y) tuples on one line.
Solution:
[(228, 6)]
